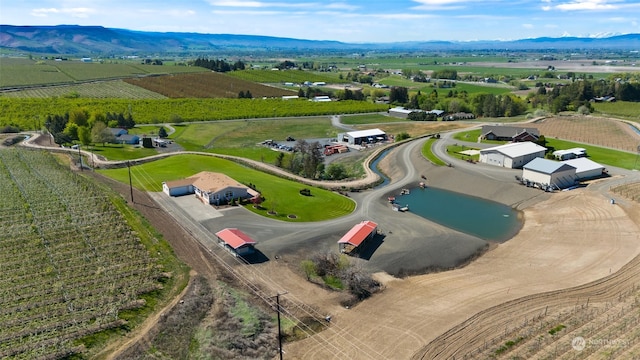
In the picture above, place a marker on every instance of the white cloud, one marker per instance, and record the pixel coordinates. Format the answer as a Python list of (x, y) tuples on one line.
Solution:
[(342, 6), (586, 5), (259, 4), (401, 16), (249, 12), (44, 12), (178, 13), (527, 26), (238, 3), (78, 12)]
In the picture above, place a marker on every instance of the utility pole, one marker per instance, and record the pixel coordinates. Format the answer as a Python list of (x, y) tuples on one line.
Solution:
[(80, 157), (279, 330), (130, 183)]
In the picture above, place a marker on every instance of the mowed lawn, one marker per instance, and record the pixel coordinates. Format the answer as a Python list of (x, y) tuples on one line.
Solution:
[(369, 119), (280, 195), (242, 138), (604, 156), (120, 151)]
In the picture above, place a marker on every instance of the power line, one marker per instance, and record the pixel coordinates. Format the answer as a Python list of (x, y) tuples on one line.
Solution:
[(297, 303)]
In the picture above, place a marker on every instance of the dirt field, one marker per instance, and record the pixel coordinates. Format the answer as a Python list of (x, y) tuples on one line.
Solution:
[(574, 238), (591, 130)]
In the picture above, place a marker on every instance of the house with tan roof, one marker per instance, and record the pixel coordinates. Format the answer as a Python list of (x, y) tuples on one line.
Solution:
[(210, 187)]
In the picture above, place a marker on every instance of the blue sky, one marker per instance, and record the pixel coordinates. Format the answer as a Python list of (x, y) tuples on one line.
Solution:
[(356, 21)]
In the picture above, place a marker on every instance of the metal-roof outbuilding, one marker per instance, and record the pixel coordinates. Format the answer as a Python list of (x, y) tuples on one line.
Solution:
[(545, 172), (512, 155), (357, 235), (236, 241)]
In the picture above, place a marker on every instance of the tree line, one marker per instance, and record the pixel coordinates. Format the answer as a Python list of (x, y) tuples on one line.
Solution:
[(560, 97), (218, 65), (307, 161), (79, 125), (578, 94)]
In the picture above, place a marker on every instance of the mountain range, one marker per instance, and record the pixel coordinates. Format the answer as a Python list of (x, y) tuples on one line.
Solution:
[(101, 41)]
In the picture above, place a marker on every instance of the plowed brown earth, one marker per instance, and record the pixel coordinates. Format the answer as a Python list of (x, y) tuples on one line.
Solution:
[(205, 85), (591, 130)]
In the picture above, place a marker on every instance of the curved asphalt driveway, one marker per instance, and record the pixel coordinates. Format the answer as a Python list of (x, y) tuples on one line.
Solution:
[(409, 243)]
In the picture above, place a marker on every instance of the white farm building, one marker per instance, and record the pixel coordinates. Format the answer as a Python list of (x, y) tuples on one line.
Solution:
[(513, 155), (544, 172), (585, 168), (400, 112), (362, 137), (570, 153)]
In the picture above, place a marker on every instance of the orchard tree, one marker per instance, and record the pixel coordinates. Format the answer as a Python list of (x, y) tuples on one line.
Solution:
[(71, 130), (79, 117), (84, 135)]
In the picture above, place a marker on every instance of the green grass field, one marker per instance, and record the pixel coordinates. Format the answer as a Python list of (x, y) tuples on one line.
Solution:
[(473, 135), (426, 88), (248, 133), (242, 138), (20, 72), (429, 155), (115, 89), (455, 151), (621, 109), (600, 155), (281, 195), (470, 136), (393, 61), (469, 88), (121, 152), (369, 119)]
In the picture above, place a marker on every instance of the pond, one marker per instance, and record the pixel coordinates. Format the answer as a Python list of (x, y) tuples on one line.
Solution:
[(485, 219)]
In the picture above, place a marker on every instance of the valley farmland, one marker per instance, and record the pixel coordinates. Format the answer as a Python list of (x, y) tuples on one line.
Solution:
[(100, 263)]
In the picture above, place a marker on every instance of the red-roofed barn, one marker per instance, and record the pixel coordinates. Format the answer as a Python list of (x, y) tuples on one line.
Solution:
[(236, 241), (357, 236)]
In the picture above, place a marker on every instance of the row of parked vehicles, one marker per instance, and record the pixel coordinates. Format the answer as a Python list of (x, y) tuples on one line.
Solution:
[(275, 146)]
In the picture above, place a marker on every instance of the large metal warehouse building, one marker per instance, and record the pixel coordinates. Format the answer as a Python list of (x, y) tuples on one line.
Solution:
[(513, 155), (362, 136), (548, 172), (585, 168)]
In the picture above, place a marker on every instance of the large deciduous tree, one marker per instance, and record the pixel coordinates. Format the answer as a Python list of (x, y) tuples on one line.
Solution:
[(101, 134), (399, 95)]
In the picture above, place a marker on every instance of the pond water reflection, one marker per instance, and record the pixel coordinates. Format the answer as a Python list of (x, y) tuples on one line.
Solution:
[(485, 219)]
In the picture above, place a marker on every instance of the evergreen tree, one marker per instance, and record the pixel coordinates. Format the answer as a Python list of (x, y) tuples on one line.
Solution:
[(162, 133)]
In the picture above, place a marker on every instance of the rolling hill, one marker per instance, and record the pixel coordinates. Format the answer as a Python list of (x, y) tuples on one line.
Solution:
[(97, 40)]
